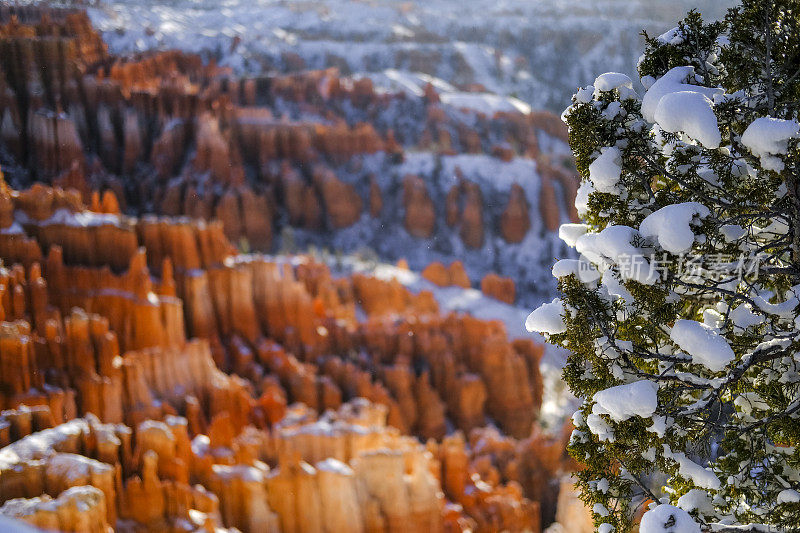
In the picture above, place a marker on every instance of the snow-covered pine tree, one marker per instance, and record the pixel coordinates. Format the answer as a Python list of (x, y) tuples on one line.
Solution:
[(681, 313)]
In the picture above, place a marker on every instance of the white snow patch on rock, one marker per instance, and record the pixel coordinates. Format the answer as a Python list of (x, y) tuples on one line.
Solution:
[(81, 219), (547, 318), (705, 345), (671, 225), (486, 103), (10, 525), (332, 465), (13, 229), (244, 472)]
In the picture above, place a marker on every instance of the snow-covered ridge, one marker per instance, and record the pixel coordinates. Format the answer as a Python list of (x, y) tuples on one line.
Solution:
[(524, 47)]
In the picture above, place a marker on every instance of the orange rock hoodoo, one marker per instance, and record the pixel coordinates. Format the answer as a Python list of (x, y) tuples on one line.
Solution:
[(454, 275), (499, 288)]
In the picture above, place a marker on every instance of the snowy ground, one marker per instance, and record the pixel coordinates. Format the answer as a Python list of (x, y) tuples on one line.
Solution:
[(539, 50)]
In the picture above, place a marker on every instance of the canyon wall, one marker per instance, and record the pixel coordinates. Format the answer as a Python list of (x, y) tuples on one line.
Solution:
[(285, 160)]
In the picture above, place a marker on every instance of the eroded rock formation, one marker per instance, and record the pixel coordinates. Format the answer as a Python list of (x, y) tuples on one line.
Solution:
[(202, 143), (499, 288), (154, 378), (193, 385)]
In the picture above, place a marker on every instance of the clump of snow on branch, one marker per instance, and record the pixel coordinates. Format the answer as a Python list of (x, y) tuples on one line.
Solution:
[(673, 81), (692, 113), (701, 477), (706, 346), (666, 518), (612, 80), (605, 171), (582, 198), (624, 401), (671, 225), (548, 318), (569, 233), (768, 137), (614, 243)]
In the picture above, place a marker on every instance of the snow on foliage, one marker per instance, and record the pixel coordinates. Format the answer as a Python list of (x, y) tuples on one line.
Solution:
[(671, 225), (665, 518), (704, 344), (605, 528), (690, 112), (695, 499), (689, 199), (547, 318), (788, 496), (615, 288), (672, 36), (672, 82), (583, 269), (701, 477), (767, 137), (614, 243), (566, 267), (582, 198), (605, 170), (612, 80), (743, 317), (569, 233), (624, 401)]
